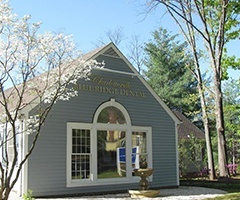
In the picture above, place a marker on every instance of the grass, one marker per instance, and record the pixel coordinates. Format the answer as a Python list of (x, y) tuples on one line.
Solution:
[(231, 196), (232, 186), (228, 187)]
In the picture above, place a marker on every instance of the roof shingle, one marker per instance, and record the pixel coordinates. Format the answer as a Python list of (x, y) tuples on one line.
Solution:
[(187, 128)]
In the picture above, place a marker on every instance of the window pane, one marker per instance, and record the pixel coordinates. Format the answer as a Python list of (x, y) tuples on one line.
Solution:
[(80, 166), (80, 154), (80, 141), (139, 139), (110, 146), (139, 149), (111, 115)]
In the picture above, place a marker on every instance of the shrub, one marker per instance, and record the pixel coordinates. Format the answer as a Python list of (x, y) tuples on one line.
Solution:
[(28, 195)]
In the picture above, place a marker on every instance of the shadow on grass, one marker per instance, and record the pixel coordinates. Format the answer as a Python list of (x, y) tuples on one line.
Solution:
[(230, 185), (231, 196)]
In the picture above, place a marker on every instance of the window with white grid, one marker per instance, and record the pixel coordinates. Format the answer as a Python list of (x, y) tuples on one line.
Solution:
[(107, 150), (81, 153)]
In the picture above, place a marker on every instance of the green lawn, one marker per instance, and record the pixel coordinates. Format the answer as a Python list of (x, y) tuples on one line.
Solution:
[(231, 196), (231, 186)]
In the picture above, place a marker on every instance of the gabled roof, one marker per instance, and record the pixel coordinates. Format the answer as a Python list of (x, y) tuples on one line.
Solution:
[(109, 50), (187, 128), (13, 94)]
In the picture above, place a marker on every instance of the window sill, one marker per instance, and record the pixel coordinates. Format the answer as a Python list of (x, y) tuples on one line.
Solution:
[(84, 183)]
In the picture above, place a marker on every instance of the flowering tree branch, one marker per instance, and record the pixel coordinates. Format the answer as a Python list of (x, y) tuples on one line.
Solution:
[(36, 71)]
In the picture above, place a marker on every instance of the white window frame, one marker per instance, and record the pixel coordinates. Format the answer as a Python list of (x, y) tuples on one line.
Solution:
[(94, 127), (6, 142)]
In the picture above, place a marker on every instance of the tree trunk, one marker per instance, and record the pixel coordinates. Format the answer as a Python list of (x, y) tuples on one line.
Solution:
[(214, 37), (217, 61), (5, 193), (222, 150), (211, 168)]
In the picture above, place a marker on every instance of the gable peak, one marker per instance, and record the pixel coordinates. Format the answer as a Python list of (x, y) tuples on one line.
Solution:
[(111, 52)]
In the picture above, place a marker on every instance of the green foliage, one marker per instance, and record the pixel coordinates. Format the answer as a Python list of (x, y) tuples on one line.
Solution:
[(232, 26), (184, 158), (229, 62), (212, 10), (232, 119), (232, 196), (189, 150), (28, 195), (231, 108), (168, 73), (215, 23)]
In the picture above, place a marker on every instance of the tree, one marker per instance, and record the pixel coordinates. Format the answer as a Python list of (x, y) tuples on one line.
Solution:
[(134, 46), (188, 154), (115, 36), (167, 71), (135, 55), (216, 23), (232, 116), (35, 70)]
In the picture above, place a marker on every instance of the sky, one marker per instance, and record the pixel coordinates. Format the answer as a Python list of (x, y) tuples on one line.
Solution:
[(88, 21)]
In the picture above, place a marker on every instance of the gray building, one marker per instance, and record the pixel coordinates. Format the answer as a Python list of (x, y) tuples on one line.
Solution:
[(92, 142)]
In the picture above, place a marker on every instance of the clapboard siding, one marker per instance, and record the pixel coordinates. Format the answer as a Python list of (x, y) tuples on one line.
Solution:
[(47, 165), (114, 63)]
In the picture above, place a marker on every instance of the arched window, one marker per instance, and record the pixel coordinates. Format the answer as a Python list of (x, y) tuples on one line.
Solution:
[(112, 124), (112, 112), (111, 115), (109, 149)]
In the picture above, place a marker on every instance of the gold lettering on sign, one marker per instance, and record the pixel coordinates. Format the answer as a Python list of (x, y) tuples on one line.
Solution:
[(110, 83), (109, 86)]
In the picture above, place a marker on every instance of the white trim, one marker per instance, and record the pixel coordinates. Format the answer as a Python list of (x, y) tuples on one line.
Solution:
[(24, 182), (25, 145), (135, 73), (117, 71), (177, 153), (25, 166), (94, 127), (71, 126), (20, 186), (112, 102)]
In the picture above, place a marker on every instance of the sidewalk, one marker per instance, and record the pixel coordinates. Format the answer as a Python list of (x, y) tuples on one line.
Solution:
[(181, 193)]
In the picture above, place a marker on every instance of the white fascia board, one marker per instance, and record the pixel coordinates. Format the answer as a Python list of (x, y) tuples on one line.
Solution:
[(136, 73)]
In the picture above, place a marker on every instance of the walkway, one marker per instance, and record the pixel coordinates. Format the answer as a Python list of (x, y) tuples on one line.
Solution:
[(181, 193)]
